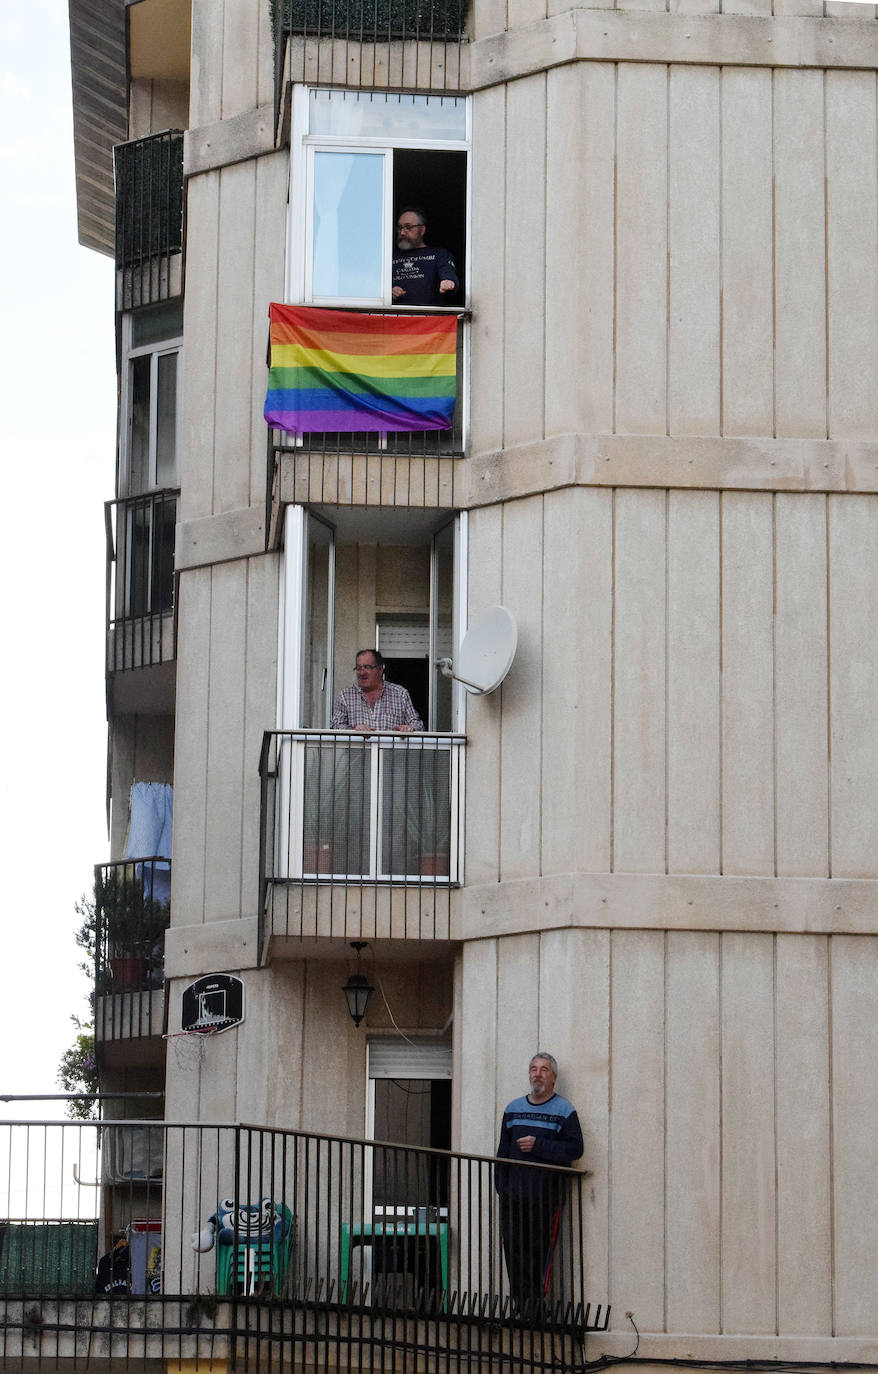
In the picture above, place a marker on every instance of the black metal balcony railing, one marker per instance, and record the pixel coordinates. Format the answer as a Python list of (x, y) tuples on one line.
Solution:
[(140, 580), (132, 913), (149, 218), (277, 1246), (364, 824), (378, 43)]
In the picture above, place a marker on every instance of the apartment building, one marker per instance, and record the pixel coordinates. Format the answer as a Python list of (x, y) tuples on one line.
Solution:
[(653, 850)]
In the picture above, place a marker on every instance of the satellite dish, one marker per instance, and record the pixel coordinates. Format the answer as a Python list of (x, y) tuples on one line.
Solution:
[(486, 653)]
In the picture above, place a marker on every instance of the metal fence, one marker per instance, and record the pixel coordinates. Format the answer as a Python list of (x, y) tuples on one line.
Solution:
[(140, 580), (274, 1245), (132, 913), (361, 835), (372, 44), (149, 218)]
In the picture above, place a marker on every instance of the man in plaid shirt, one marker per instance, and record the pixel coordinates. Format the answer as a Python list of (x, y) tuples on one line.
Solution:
[(374, 706)]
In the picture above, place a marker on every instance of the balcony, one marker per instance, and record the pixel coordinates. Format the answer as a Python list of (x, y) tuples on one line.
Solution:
[(132, 913), (361, 836), (149, 219), (397, 44), (140, 534), (370, 469), (316, 1248)]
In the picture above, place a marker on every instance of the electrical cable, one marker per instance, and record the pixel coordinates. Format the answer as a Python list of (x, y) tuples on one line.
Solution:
[(377, 977), (749, 1366), (682, 1362), (411, 1092), (746, 1366)]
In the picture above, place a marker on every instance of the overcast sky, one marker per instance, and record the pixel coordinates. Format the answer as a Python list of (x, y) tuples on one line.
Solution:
[(57, 432)]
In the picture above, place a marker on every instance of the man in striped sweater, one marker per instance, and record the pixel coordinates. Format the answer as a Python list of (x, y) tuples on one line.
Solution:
[(541, 1128)]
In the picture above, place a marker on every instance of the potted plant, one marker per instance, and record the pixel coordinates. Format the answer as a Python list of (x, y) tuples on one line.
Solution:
[(131, 927)]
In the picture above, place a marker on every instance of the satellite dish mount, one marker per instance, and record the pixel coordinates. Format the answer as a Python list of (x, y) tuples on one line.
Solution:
[(486, 653)]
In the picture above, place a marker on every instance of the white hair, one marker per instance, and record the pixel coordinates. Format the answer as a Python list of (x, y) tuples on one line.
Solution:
[(549, 1058)]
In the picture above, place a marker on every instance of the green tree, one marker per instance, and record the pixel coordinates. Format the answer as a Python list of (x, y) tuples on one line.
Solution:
[(77, 1072), (77, 1068)]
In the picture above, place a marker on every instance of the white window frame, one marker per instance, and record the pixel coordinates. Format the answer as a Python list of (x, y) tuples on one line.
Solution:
[(292, 584), (155, 350), (323, 145), (292, 599), (303, 145)]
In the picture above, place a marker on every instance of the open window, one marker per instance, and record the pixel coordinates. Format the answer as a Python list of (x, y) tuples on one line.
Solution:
[(356, 579), (384, 807), (152, 345), (396, 1254), (409, 1103), (363, 157), (149, 443)]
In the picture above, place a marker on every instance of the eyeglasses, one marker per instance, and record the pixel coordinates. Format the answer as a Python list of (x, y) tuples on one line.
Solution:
[(408, 227), (364, 667)]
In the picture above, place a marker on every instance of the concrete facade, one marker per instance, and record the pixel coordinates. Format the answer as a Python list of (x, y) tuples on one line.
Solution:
[(671, 480)]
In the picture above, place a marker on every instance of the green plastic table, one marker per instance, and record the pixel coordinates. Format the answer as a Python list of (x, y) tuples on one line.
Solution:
[(363, 1231)]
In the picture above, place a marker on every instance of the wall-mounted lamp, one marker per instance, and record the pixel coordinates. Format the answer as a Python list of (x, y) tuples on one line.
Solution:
[(357, 990)]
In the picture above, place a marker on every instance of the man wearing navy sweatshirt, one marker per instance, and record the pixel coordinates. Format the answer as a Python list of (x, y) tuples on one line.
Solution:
[(541, 1128), (421, 275)]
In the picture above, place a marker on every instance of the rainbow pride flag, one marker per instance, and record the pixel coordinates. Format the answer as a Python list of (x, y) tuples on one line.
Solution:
[(339, 370)]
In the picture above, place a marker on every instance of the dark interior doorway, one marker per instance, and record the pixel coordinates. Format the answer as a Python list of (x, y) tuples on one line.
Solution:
[(414, 675), (436, 183), (412, 1112)]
